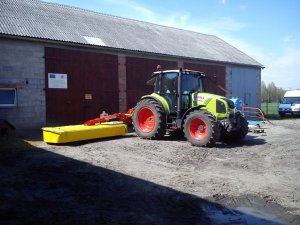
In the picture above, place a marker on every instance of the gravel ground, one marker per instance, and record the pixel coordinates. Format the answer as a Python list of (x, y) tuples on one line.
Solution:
[(129, 180)]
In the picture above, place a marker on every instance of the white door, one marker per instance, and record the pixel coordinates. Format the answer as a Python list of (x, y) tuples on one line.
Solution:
[(245, 84)]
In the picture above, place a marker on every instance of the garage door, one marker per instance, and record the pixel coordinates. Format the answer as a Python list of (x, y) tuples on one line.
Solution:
[(215, 77), (244, 85), (138, 72), (79, 85)]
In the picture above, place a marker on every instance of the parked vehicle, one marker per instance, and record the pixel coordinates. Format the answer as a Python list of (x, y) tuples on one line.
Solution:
[(290, 104), (179, 103)]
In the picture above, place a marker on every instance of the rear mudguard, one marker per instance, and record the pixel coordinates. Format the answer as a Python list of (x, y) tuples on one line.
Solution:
[(160, 100)]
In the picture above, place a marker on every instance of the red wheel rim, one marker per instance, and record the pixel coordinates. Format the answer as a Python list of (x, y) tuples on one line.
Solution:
[(146, 120), (198, 129)]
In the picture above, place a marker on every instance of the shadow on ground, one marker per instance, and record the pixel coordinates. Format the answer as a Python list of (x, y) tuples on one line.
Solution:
[(42, 187), (249, 140)]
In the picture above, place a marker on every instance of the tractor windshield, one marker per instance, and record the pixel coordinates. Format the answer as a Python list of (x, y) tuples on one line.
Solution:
[(191, 82)]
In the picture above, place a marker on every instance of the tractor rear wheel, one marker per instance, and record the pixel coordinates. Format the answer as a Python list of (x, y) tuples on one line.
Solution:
[(201, 128), (149, 119)]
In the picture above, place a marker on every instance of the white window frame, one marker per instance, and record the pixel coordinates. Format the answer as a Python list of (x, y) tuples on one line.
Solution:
[(15, 99)]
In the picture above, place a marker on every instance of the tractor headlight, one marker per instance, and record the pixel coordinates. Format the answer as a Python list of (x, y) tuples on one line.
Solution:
[(221, 108), (229, 102)]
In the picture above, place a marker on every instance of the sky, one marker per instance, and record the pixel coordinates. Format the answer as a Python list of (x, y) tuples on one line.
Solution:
[(266, 30)]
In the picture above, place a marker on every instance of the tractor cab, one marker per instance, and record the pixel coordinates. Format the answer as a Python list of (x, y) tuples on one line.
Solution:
[(171, 84)]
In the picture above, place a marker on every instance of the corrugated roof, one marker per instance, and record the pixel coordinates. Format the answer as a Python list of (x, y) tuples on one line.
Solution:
[(36, 19)]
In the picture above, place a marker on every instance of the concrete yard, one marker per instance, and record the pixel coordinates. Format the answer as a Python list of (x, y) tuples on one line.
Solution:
[(129, 180)]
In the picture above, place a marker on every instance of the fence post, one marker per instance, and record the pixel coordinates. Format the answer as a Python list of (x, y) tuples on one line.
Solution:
[(268, 103)]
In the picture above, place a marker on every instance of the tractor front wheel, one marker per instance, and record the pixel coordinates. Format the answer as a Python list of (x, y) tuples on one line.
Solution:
[(236, 135), (149, 119), (201, 128)]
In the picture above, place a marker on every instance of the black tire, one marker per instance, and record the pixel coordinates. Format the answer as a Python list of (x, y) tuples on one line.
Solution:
[(201, 128), (242, 132), (149, 119), (176, 133), (281, 115), (236, 136)]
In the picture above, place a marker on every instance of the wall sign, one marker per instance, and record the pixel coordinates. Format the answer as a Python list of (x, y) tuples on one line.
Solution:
[(88, 96), (57, 80)]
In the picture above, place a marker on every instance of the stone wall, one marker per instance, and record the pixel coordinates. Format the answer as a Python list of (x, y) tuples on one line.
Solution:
[(22, 66)]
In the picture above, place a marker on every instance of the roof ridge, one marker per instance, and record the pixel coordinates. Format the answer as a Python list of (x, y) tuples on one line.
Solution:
[(72, 7)]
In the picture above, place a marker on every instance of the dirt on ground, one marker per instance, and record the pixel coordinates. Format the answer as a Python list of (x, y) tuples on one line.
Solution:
[(128, 180)]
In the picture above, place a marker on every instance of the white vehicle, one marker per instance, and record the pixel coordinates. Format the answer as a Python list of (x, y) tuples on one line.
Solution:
[(290, 104)]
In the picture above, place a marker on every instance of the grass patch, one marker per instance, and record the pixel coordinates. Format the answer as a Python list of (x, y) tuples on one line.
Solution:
[(270, 110)]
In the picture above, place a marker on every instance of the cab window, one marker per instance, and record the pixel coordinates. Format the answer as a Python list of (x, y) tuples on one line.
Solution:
[(191, 83), (169, 83)]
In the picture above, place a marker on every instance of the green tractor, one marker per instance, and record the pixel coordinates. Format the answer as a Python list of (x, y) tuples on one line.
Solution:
[(179, 103)]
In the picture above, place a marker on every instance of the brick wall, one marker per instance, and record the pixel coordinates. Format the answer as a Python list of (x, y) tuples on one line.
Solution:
[(122, 83), (22, 65)]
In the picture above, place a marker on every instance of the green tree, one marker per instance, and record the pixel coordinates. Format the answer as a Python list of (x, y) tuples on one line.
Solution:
[(280, 94), (271, 93), (264, 92)]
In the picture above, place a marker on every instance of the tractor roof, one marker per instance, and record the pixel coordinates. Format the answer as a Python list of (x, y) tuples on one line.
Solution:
[(186, 71)]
